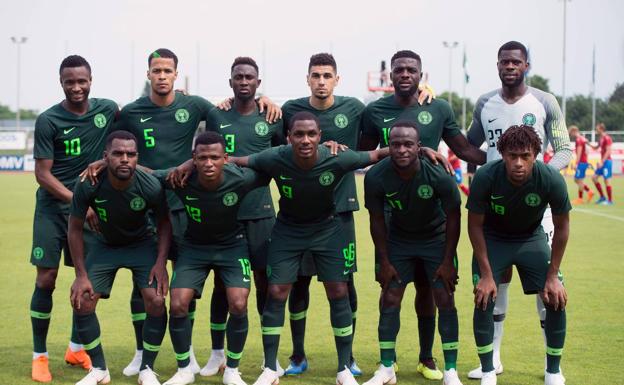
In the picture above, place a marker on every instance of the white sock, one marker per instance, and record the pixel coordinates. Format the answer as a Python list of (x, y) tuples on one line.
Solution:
[(37, 355), (217, 352), (500, 309), (74, 347)]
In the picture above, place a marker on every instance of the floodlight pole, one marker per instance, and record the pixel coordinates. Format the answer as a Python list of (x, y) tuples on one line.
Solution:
[(450, 45), (18, 41)]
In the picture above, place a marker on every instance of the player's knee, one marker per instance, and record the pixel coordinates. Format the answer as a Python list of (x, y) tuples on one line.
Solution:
[(155, 305), (46, 278), (237, 305), (390, 298), (443, 301), (279, 292), (178, 307), (336, 290), (424, 303), (87, 305)]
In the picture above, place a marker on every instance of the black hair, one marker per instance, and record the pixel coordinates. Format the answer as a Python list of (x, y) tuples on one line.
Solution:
[(163, 53), (209, 137), (519, 138), (322, 59), (405, 123), (303, 115), (74, 61), (119, 134), (405, 54), (244, 60), (514, 45)]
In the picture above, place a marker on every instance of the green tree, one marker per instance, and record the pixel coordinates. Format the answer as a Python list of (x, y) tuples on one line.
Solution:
[(539, 82), (7, 113), (457, 107)]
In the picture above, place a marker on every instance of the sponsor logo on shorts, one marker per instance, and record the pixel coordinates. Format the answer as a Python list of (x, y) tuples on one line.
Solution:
[(341, 121), (137, 204), (326, 178), (532, 199), (99, 120), (425, 191), (230, 199), (261, 128), (182, 115), (38, 252), (529, 119), (424, 117)]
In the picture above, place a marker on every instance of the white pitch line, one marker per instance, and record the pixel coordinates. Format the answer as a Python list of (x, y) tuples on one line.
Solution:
[(614, 217)]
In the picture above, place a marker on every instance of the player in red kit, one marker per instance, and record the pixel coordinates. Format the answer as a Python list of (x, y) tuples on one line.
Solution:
[(604, 169), (581, 164), (456, 164)]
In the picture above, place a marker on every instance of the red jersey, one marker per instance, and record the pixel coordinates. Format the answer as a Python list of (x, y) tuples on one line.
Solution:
[(453, 160), (605, 141), (581, 142)]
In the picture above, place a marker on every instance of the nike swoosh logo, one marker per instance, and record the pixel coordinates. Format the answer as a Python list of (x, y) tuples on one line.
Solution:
[(494, 197), (282, 177), (491, 120), (246, 279), (188, 198), (346, 272), (224, 125), (386, 120), (392, 194), (65, 132), (146, 119), (100, 200)]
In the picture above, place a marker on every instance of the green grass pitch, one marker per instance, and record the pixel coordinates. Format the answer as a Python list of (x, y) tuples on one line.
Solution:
[(592, 268)]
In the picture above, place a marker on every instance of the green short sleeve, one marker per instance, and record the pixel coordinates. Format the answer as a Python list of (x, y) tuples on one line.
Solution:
[(373, 193), (80, 200), (44, 138), (479, 190)]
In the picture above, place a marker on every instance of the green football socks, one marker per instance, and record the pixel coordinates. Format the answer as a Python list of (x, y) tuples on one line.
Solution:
[(89, 332), (237, 327), (40, 313)]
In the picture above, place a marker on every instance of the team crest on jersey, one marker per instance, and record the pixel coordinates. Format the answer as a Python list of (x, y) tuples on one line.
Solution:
[(38, 252), (99, 120), (137, 204), (341, 121), (326, 178), (529, 119), (424, 117), (230, 199), (261, 128), (425, 191), (182, 115), (532, 200)]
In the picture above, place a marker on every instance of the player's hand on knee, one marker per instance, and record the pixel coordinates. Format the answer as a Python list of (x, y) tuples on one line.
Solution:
[(447, 273), (92, 171), (484, 291), (81, 287), (387, 274), (92, 220), (225, 104), (554, 294), (159, 273), (335, 147)]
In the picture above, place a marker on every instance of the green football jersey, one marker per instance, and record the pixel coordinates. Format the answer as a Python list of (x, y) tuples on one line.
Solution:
[(122, 215), (435, 121), (245, 135), (307, 196), (340, 123), (516, 211), (165, 134), (417, 204), (72, 142), (212, 215)]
